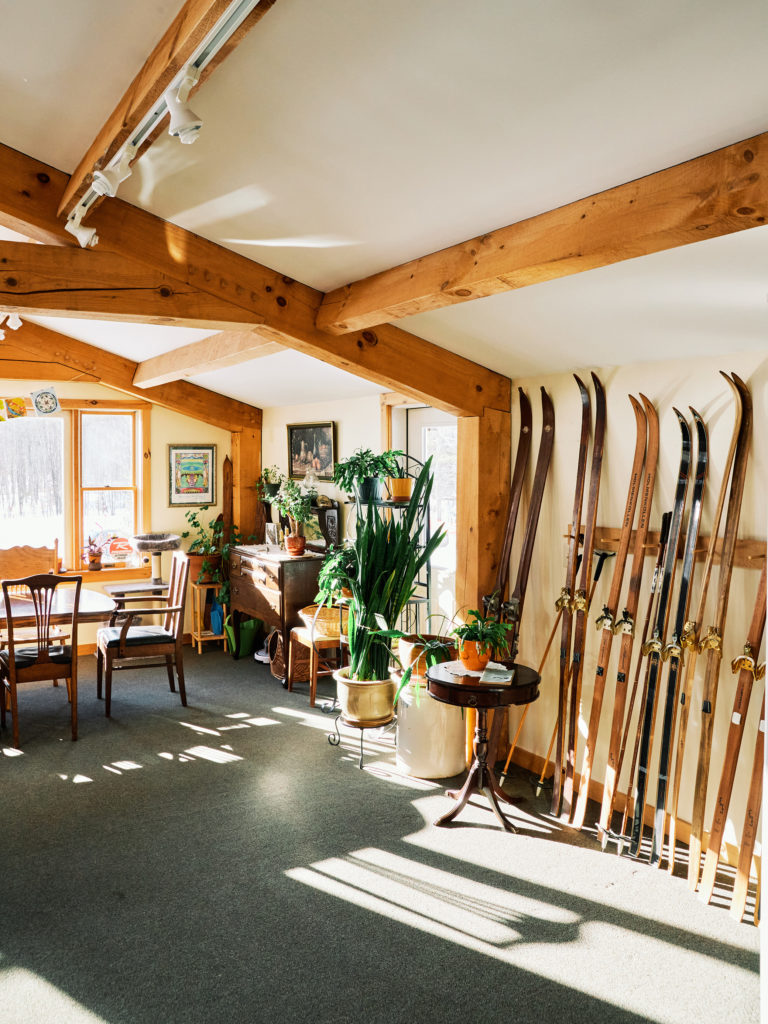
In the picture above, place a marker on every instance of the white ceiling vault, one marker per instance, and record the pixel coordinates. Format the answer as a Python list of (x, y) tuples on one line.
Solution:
[(344, 137)]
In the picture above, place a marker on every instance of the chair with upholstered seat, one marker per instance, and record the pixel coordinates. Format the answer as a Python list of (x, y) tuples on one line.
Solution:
[(128, 646), (45, 658)]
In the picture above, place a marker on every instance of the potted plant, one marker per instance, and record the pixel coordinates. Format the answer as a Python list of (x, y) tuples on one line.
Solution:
[(362, 474), (205, 550), (268, 483), (92, 554), (386, 557), (334, 572), (400, 484), (478, 638), (296, 505)]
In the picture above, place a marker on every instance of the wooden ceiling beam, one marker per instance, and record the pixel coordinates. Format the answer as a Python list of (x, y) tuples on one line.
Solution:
[(19, 364), (55, 281), (178, 45), (117, 372), (712, 195), (230, 348), (388, 356)]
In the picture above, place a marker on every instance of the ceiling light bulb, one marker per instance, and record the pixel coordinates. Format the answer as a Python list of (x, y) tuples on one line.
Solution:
[(14, 321)]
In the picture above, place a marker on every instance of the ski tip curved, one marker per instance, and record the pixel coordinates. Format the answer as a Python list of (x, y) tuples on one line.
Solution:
[(582, 385), (650, 408), (681, 419), (599, 389)]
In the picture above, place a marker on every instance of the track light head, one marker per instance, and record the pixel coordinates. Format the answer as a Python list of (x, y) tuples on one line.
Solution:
[(14, 321), (87, 237), (184, 123), (107, 182)]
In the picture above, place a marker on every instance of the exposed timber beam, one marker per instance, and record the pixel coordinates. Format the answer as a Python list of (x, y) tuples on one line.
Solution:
[(226, 349), (183, 37), (48, 279), (117, 372), (19, 364), (29, 192), (709, 196)]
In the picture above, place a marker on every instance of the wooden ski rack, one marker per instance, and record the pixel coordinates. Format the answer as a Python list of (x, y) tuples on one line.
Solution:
[(749, 554)]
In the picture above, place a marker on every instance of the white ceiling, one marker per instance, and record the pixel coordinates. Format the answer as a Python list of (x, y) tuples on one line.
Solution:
[(342, 138)]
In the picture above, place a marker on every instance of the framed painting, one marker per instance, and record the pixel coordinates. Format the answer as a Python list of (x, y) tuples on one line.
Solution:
[(311, 446), (191, 474)]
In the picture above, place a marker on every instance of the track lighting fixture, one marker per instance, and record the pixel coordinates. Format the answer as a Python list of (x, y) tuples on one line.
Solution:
[(87, 237), (184, 123), (13, 320), (107, 182)]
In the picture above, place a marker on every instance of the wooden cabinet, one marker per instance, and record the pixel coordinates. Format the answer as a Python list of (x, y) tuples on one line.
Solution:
[(271, 585)]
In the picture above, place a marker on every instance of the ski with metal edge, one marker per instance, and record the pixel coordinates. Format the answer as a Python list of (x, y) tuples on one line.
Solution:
[(626, 624), (652, 648), (512, 610), (751, 819), (607, 618), (746, 665), (580, 603), (672, 652), (492, 602), (620, 837), (564, 600), (690, 637), (712, 643)]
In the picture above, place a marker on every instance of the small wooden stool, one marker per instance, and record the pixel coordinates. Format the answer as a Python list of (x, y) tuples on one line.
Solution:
[(315, 642)]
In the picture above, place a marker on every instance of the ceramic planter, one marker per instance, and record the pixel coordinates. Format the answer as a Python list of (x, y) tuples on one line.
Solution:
[(430, 735), (400, 488), (472, 658), (410, 652), (295, 545), (196, 562), (364, 703)]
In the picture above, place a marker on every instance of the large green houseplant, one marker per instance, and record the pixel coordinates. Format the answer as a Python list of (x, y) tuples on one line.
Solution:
[(380, 570), (363, 473)]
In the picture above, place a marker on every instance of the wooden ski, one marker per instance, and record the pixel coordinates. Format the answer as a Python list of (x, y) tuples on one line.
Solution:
[(652, 648), (626, 624), (512, 610), (690, 637), (751, 819), (713, 641), (607, 618), (672, 652), (748, 669), (564, 600), (580, 603)]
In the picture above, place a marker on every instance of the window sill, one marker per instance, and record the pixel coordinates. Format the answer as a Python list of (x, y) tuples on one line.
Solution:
[(139, 572)]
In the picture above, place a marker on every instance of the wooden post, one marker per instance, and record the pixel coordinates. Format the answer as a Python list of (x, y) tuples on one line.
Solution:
[(247, 510)]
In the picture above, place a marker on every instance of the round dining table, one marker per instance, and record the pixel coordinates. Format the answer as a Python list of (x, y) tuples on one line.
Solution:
[(94, 607)]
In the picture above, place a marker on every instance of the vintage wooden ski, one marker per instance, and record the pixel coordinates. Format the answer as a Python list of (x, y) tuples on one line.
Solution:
[(580, 602), (690, 638), (564, 600), (512, 610), (607, 618), (672, 652), (653, 647), (751, 820), (747, 667), (626, 624), (713, 641), (492, 602)]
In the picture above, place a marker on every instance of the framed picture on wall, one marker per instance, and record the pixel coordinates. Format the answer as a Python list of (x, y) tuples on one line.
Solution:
[(191, 474), (311, 446)]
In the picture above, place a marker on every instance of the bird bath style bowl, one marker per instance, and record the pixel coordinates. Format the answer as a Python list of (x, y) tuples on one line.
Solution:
[(154, 544)]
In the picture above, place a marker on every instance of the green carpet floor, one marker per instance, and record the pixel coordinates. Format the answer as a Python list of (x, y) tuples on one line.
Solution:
[(224, 863)]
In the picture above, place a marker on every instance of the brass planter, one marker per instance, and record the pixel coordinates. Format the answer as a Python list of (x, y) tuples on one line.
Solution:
[(365, 703)]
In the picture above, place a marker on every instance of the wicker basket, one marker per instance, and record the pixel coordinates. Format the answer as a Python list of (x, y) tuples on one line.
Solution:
[(324, 622)]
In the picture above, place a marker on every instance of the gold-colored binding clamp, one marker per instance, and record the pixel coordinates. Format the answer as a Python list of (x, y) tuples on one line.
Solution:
[(579, 603), (672, 650), (604, 621), (652, 646), (688, 637), (760, 670), (745, 661), (564, 601), (712, 641), (626, 624)]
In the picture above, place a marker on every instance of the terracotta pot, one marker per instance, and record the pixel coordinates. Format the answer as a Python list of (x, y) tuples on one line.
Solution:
[(400, 488), (196, 562), (295, 545), (94, 562), (410, 651), (472, 658), (365, 703)]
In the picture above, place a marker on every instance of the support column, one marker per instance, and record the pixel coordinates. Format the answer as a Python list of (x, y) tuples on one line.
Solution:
[(247, 510)]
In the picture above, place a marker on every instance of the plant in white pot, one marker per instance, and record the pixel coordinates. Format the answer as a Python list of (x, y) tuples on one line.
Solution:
[(382, 565)]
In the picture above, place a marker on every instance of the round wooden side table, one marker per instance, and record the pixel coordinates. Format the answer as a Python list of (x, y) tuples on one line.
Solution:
[(466, 691)]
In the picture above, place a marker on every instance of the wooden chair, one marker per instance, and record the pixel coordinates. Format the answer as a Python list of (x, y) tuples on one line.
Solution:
[(23, 560), (48, 658), (129, 646)]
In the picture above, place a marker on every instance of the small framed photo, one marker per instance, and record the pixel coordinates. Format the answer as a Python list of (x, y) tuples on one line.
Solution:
[(191, 474), (311, 446)]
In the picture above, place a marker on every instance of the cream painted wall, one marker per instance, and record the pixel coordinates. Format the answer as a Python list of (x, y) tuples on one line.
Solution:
[(357, 426), (667, 384), (167, 428)]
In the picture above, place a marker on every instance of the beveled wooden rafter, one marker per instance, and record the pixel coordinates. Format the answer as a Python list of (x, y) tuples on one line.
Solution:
[(184, 35), (388, 356), (712, 195), (20, 364), (117, 372), (226, 349)]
